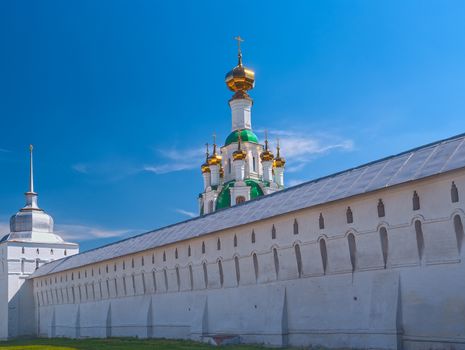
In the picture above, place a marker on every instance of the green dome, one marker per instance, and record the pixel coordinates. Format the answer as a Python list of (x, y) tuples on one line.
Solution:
[(224, 198), (246, 135)]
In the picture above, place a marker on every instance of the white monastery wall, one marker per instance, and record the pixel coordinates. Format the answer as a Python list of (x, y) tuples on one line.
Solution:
[(400, 285)]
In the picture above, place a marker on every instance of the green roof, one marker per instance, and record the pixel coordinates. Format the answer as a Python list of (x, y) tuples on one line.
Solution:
[(246, 135), (224, 198)]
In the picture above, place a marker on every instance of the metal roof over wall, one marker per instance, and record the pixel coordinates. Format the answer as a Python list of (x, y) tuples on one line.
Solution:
[(428, 160)]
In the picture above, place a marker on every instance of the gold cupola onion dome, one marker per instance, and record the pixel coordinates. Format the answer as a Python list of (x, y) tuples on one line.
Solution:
[(279, 161), (214, 159), (240, 79), (204, 167), (239, 154), (266, 155)]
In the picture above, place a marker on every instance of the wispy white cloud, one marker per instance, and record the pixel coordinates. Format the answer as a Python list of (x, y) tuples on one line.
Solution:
[(187, 213), (76, 232), (176, 160), (299, 148), (80, 168)]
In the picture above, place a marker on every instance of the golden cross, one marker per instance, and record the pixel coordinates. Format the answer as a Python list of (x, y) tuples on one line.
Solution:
[(239, 40)]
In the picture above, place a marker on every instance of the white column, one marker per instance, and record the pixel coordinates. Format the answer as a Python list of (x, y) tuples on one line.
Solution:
[(267, 171), (239, 170), (241, 114), (279, 176), (206, 180), (215, 175)]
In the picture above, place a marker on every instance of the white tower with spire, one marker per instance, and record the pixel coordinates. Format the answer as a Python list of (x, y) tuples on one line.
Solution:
[(30, 243)]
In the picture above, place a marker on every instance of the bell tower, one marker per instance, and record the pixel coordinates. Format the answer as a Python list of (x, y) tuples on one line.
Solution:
[(243, 169)]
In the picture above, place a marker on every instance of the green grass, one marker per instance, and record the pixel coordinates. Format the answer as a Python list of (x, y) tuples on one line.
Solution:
[(113, 344)]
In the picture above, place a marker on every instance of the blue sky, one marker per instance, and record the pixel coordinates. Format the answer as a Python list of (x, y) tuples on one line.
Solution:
[(118, 97)]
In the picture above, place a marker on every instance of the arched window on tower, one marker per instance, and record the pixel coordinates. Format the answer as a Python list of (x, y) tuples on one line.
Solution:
[(349, 216), (240, 199), (384, 244), (235, 241), (381, 211), (22, 250), (415, 201), (273, 232), (254, 166), (420, 239), (176, 253), (203, 247), (298, 258), (164, 256), (218, 244), (229, 165), (253, 236), (352, 251), (324, 255), (454, 193), (459, 234), (189, 251), (276, 262), (321, 221), (296, 227)]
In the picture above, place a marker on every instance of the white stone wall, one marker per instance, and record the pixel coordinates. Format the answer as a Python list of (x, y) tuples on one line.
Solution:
[(22, 259), (282, 291)]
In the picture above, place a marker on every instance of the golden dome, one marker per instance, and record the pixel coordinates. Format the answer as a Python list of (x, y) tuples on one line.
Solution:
[(240, 79), (266, 155), (214, 159), (239, 154), (279, 161)]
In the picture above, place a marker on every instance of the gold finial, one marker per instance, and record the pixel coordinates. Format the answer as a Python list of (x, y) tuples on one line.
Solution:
[(214, 159), (239, 52), (239, 139), (266, 140), (204, 167), (266, 155), (239, 154), (279, 161), (214, 143)]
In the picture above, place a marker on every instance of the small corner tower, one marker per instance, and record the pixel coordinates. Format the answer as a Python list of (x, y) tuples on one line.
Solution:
[(30, 243), (244, 169)]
